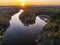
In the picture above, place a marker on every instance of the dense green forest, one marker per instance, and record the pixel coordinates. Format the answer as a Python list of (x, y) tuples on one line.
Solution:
[(50, 35), (41, 11)]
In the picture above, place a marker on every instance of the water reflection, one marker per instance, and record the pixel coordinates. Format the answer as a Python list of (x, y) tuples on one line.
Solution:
[(18, 34)]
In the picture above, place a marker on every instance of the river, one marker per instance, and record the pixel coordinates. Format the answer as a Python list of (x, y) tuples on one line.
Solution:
[(18, 34)]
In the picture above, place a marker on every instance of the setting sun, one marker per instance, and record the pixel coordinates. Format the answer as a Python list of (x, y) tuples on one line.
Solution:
[(22, 4)]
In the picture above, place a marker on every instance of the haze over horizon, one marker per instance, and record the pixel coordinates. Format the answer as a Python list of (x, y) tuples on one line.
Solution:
[(30, 2)]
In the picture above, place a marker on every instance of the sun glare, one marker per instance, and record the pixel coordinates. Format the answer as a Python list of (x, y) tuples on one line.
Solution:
[(22, 4)]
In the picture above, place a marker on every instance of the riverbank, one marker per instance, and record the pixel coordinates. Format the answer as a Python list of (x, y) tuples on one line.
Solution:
[(6, 12), (5, 15), (50, 35)]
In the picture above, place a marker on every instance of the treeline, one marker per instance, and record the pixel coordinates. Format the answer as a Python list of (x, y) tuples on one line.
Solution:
[(10, 10), (43, 11)]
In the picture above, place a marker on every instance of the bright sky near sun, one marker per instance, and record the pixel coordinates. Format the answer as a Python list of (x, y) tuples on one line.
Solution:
[(29, 2)]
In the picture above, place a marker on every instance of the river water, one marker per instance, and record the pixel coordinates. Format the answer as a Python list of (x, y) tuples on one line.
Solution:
[(18, 34)]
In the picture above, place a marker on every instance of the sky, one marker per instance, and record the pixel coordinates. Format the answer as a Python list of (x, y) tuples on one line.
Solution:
[(30, 2)]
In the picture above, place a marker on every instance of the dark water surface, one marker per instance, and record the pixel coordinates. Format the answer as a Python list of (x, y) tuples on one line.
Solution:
[(18, 34)]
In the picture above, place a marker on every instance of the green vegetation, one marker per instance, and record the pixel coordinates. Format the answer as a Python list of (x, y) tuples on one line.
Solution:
[(51, 32), (3, 20), (29, 14), (43, 11), (27, 18), (54, 26), (50, 35), (4, 23)]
